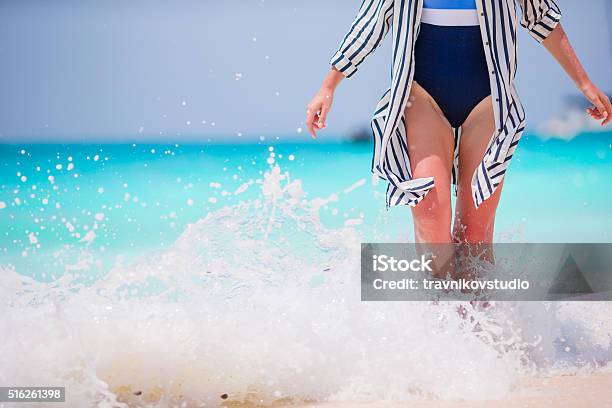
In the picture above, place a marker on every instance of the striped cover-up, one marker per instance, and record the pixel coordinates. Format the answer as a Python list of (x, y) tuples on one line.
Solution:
[(498, 23)]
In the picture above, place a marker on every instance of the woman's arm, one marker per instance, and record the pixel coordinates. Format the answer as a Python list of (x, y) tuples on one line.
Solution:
[(559, 46), (317, 110), (365, 35)]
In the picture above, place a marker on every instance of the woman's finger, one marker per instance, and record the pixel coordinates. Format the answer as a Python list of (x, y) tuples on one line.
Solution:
[(599, 112), (599, 105), (594, 113), (310, 122), (317, 120), (323, 117), (608, 108)]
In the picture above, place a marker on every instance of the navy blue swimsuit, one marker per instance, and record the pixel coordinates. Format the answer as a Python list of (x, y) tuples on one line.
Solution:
[(450, 59)]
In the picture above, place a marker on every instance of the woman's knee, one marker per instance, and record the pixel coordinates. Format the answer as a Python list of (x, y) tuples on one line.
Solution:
[(474, 231), (475, 225), (432, 217)]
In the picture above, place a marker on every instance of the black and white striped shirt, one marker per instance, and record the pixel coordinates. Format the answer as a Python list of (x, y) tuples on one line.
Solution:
[(498, 22)]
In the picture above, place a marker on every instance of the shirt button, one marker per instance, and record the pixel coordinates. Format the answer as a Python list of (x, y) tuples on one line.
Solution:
[(493, 72)]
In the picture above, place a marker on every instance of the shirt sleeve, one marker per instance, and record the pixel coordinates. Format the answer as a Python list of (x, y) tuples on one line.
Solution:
[(367, 32), (540, 17)]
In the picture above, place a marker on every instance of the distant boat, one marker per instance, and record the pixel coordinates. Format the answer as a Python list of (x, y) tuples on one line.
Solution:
[(361, 135)]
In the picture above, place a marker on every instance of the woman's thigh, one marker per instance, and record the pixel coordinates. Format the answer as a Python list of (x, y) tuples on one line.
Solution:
[(475, 225), (430, 147)]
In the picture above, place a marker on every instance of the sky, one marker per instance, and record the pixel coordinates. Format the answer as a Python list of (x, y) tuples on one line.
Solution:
[(223, 70)]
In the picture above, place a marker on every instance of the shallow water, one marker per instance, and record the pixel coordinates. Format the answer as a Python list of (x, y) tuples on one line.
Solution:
[(187, 272)]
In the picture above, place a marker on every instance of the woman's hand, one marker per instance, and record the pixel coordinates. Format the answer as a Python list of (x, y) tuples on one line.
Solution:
[(317, 110), (602, 109), (319, 107)]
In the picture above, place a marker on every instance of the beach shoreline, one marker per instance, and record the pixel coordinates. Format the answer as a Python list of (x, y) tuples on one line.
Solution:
[(581, 390)]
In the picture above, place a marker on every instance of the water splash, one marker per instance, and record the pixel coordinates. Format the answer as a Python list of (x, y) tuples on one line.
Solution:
[(259, 302)]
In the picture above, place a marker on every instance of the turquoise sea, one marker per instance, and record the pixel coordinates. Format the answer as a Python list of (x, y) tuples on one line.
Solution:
[(175, 275), (122, 200)]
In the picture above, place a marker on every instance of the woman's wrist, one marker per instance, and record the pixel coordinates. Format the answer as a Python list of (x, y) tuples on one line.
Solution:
[(584, 83), (328, 86), (327, 90), (332, 80)]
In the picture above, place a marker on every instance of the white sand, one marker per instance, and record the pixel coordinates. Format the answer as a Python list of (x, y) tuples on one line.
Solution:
[(581, 391)]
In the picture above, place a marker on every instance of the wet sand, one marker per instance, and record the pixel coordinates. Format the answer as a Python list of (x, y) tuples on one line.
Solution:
[(580, 391)]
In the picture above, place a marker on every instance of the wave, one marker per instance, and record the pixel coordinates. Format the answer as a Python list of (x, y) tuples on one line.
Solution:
[(259, 303)]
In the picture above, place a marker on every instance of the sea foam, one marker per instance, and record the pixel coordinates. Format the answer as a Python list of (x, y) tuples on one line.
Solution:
[(259, 302)]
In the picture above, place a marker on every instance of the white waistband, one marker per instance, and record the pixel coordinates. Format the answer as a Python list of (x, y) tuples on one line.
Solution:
[(444, 17)]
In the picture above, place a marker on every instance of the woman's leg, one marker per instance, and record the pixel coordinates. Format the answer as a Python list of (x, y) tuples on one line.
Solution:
[(430, 146), (472, 225)]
